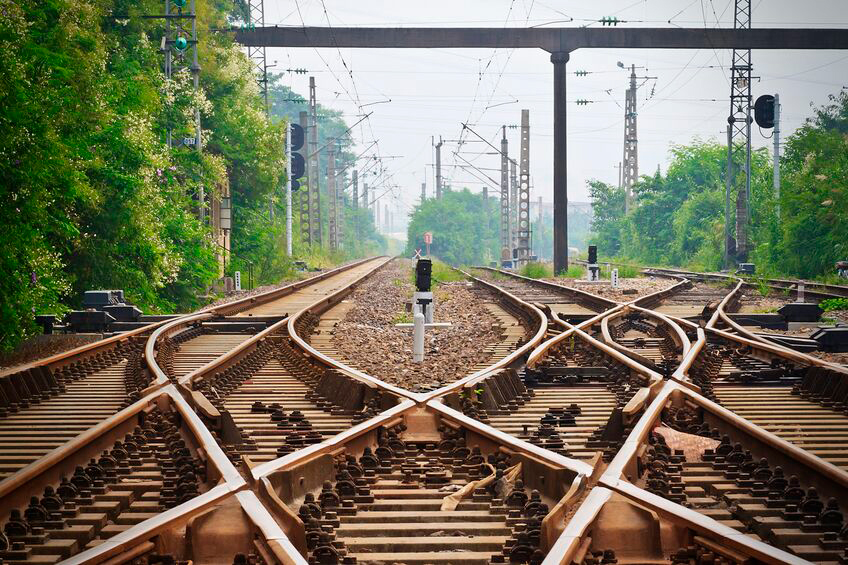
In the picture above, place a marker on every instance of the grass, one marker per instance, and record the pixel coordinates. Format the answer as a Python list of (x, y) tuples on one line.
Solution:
[(834, 304), (536, 270), (628, 272), (402, 318), (444, 273), (573, 272)]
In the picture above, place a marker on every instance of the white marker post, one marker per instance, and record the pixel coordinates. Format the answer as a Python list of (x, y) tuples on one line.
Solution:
[(418, 326), (800, 292), (238, 280), (418, 338), (614, 278)]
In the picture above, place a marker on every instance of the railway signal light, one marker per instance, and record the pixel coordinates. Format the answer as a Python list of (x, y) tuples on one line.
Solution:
[(180, 3), (423, 274), (298, 163), (764, 111), (181, 43)]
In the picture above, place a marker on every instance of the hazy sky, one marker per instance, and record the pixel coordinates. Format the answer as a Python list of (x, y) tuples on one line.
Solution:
[(433, 90)]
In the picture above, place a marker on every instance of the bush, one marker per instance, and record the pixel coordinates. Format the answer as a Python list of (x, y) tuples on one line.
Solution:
[(536, 270)]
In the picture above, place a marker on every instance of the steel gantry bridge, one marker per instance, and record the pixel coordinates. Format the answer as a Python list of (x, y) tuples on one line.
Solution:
[(559, 42)]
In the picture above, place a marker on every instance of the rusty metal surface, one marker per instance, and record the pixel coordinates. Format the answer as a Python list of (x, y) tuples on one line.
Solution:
[(567, 531)]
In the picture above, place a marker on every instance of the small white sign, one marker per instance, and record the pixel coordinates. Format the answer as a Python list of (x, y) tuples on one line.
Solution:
[(238, 280), (614, 278)]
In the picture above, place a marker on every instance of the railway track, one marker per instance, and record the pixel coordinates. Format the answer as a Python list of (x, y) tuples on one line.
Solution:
[(591, 428)]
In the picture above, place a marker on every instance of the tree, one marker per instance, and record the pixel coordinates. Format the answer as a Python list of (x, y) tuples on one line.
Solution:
[(607, 215), (462, 234), (814, 194)]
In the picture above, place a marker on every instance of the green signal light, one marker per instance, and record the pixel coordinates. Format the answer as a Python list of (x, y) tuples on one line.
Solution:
[(181, 43), (180, 3)]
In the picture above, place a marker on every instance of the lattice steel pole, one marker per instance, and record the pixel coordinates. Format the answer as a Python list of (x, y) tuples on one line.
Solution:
[(179, 37), (506, 252), (256, 54), (524, 190), (314, 187), (630, 163), (740, 131)]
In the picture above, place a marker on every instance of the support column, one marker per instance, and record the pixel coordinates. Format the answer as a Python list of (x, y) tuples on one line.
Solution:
[(560, 165)]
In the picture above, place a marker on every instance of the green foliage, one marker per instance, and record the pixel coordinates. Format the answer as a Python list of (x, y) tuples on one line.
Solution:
[(628, 272), (535, 270), (834, 304), (91, 197), (462, 233), (443, 273), (679, 217), (573, 272)]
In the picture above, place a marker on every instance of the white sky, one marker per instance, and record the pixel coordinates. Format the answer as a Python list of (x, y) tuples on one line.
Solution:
[(433, 90)]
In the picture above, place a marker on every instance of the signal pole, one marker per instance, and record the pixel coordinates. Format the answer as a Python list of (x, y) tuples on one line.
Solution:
[(777, 154), (740, 130)]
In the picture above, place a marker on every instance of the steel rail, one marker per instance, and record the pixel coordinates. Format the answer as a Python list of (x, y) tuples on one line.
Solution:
[(513, 357), (322, 305)]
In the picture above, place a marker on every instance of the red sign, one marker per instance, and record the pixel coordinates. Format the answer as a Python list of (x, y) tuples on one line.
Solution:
[(428, 238)]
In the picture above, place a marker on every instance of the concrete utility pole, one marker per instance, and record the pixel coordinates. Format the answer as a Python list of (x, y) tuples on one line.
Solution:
[(388, 219), (740, 126), (355, 189), (303, 193), (423, 192), (332, 195), (365, 203), (524, 188), (513, 204), (506, 251), (314, 187), (777, 154), (630, 161), (439, 169)]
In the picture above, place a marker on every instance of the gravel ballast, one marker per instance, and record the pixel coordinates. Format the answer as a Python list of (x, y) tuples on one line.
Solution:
[(624, 292), (449, 353)]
